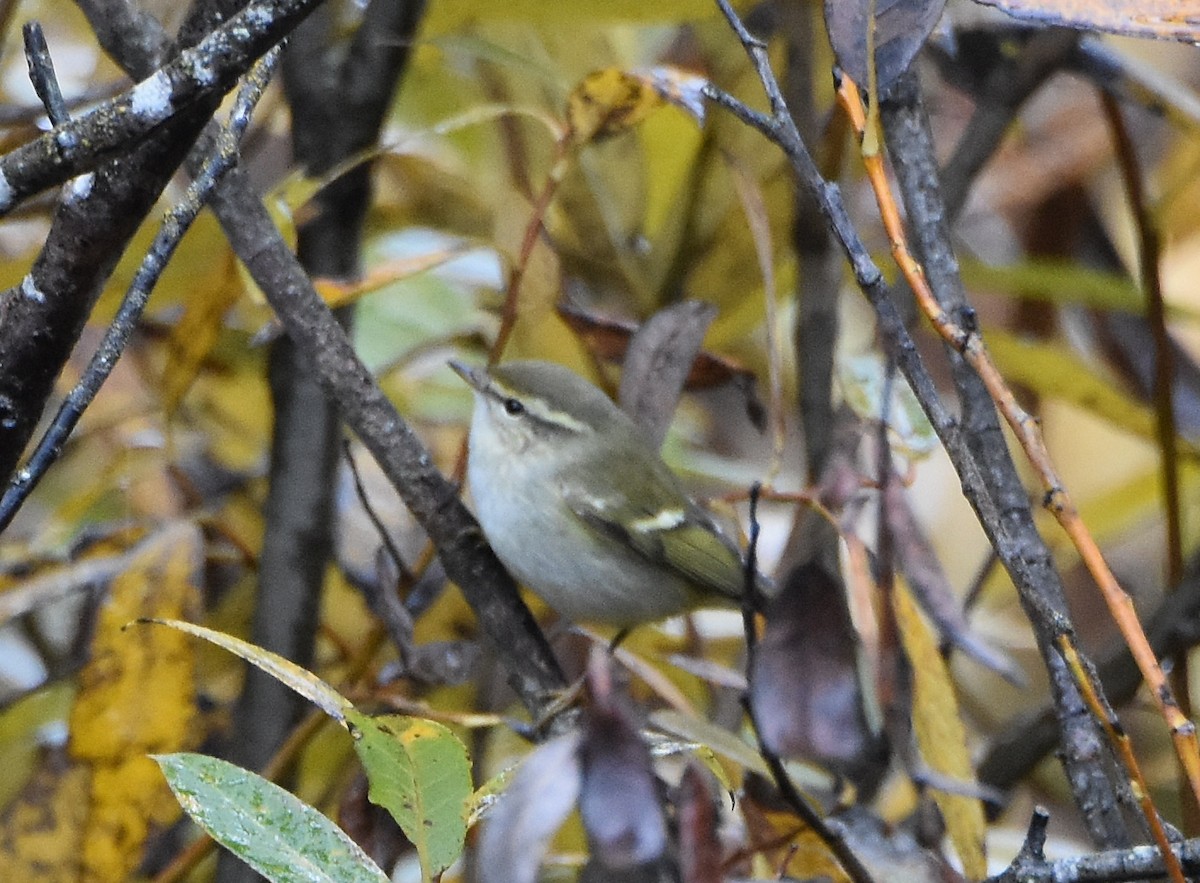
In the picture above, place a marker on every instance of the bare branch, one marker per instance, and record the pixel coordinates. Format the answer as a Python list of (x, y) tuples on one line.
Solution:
[(1005, 516), (1114, 866), (209, 68), (469, 562), (174, 226)]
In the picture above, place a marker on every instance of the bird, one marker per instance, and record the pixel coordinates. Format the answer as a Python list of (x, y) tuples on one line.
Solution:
[(581, 509)]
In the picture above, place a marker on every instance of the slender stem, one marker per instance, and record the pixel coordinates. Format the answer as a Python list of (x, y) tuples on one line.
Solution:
[(174, 225)]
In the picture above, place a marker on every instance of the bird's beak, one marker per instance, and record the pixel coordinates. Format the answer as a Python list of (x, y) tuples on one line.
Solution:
[(476, 378)]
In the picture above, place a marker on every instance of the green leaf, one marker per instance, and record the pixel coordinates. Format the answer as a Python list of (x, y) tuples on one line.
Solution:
[(488, 793), (1063, 283), (269, 829), (863, 379), (419, 772), (697, 729), (288, 673), (1051, 369)]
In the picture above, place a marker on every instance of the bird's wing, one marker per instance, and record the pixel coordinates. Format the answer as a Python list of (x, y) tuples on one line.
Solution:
[(674, 533)]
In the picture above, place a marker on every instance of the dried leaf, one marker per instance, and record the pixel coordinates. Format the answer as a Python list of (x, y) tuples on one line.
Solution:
[(1161, 19), (618, 798), (283, 670), (758, 222), (706, 733), (804, 683), (901, 27), (699, 848), (136, 698), (195, 334), (941, 736), (607, 102), (1052, 370), (608, 339), (41, 831), (520, 827), (921, 567), (339, 293), (657, 363), (789, 846)]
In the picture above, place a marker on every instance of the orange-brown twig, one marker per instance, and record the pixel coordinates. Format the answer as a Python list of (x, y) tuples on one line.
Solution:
[(508, 316), (1027, 429), (1120, 742)]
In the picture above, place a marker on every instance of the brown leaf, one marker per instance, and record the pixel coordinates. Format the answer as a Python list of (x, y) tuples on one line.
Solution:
[(534, 806), (618, 797), (804, 684), (901, 27), (657, 363), (699, 848), (608, 339), (1161, 19)]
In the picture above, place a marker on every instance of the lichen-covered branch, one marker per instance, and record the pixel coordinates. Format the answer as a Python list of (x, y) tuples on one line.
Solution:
[(208, 69)]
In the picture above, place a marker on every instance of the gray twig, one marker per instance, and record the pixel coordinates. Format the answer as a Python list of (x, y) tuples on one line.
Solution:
[(174, 226), (1113, 866), (211, 67), (41, 73), (1004, 513), (534, 674)]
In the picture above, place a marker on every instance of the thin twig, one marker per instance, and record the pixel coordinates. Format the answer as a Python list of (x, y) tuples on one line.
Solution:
[(529, 240), (380, 528), (1149, 262), (1119, 739), (41, 73), (829, 834), (969, 343), (174, 225)]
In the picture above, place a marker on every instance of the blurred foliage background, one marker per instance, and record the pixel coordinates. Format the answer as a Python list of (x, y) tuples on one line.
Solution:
[(154, 507)]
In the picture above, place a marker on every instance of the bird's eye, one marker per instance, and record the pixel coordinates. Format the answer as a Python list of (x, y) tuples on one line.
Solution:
[(513, 407)]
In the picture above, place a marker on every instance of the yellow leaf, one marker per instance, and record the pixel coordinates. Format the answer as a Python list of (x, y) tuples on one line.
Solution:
[(193, 336), (1051, 369), (337, 293), (232, 405), (41, 832), (136, 697), (283, 670), (941, 736), (196, 269), (608, 102), (788, 846)]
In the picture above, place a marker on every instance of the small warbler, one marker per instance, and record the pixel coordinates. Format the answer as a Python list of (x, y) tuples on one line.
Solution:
[(581, 509)]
